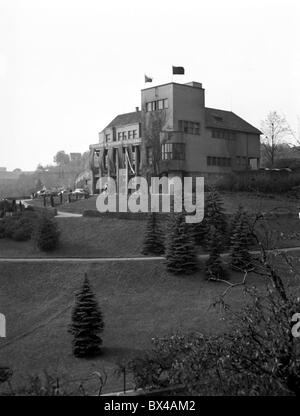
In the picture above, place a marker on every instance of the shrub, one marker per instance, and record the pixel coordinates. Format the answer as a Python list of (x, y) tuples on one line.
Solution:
[(87, 323), (47, 234), (257, 356)]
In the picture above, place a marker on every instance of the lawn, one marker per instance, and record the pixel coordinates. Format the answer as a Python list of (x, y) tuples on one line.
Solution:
[(251, 201), (139, 300), (112, 237)]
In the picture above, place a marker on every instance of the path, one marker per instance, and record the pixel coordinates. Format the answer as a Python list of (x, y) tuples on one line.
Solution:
[(120, 259), (60, 214)]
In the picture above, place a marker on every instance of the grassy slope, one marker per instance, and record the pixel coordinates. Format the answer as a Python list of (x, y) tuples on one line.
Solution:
[(251, 201), (107, 237), (139, 301)]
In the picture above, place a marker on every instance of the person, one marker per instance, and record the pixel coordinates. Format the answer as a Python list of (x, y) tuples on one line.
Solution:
[(52, 200), (13, 206), (44, 200), (61, 197), (69, 196)]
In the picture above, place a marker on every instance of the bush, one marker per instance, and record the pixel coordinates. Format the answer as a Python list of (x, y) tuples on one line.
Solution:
[(258, 356), (20, 226), (47, 234), (261, 181)]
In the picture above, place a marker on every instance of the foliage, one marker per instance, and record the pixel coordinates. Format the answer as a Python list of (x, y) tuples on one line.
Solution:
[(87, 323), (154, 239), (201, 231), (61, 158), (180, 251), (47, 234), (258, 356), (19, 226)]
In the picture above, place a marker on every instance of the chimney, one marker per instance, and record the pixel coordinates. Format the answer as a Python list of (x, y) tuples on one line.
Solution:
[(137, 109)]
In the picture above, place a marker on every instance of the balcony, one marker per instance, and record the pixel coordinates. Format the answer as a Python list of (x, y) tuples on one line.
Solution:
[(172, 137)]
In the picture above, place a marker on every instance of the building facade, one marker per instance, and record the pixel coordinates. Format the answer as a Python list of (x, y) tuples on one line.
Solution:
[(174, 134)]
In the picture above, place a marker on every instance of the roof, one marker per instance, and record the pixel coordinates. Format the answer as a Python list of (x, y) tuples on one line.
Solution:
[(227, 120), (213, 118), (124, 119)]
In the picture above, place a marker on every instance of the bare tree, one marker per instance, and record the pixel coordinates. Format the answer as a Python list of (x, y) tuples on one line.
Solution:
[(276, 131), (153, 126)]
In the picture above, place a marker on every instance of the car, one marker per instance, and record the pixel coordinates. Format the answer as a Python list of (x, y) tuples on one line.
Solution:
[(43, 192), (80, 191)]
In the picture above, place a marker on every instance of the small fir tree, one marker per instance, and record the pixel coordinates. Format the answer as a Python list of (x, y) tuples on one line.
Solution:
[(215, 214), (201, 232), (240, 258), (235, 219), (154, 239), (47, 234), (180, 251), (214, 268), (87, 323)]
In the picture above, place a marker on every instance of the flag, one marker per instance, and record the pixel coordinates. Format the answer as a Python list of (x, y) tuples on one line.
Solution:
[(178, 70), (148, 79)]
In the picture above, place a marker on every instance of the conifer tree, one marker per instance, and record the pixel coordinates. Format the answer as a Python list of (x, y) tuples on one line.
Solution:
[(180, 251), (240, 258), (87, 323), (214, 268), (47, 234), (154, 239), (201, 232), (215, 214)]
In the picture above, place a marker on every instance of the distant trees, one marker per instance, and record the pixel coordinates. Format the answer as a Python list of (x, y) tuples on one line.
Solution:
[(87, 323), (61, 158), (276, 131)]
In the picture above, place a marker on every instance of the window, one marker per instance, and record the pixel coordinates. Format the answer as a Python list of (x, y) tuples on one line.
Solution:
[(105, 159), (157, 105), (130, 134), (190, 127), (124, 135), (167, 151), (218, 118), (223, 134), (134, 134), (119, 135), (160, 104), (172, 151), (107, 137), (218, 161)]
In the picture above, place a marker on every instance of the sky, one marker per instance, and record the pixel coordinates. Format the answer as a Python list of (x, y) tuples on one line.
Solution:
[(68, 67)]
